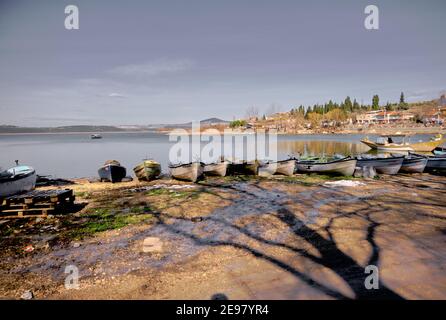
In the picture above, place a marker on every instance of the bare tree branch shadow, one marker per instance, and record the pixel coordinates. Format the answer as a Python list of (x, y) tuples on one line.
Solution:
[(331, 256)]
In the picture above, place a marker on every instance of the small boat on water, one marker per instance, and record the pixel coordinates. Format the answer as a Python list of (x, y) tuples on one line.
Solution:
[(385, 143), (284, 167), (216, 169), (189, 172), (147, 170), (345, 166), (17, 180), (244, 167), (388, 165), (96, 136), (413, 164), (112, 171)]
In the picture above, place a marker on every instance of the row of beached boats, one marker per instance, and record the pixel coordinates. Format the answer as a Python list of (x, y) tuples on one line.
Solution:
[(386, 164), (412, 163), (23, 178)]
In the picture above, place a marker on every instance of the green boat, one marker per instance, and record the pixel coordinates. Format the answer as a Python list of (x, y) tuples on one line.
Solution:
[(147, 170)]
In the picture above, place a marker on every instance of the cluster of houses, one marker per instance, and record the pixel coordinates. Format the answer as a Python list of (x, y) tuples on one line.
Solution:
[(433, 116), (383, 116), (282, 121)]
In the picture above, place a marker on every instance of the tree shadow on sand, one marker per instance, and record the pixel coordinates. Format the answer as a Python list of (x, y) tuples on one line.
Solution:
[(330, 255)]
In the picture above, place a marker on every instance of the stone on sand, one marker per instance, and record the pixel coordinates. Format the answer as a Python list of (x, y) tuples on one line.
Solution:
[(27, 295), (152, 244)]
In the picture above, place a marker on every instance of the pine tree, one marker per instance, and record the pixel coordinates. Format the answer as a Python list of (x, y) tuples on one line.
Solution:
[(402, 104), (348, 106), (375, 102), (330, 105)]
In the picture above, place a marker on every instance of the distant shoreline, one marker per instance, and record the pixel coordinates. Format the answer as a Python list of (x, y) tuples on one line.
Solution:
[(163, 133), (73, 132), (374, 130)]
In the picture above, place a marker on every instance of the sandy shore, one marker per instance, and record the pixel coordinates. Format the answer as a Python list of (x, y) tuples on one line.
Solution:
[(279, 238)]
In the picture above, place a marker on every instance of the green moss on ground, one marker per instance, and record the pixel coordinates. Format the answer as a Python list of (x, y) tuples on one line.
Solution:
[(95, 223)]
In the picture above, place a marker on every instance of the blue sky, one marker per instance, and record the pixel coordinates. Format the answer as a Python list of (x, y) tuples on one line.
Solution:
[(141, 62)]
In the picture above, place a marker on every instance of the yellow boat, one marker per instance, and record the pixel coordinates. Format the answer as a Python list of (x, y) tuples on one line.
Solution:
[(384, 144)]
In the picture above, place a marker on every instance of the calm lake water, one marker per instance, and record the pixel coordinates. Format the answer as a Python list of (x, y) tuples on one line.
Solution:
[(76, 155)]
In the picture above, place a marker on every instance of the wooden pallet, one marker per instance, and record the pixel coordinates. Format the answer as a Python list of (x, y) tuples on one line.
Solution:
[(36, 203)]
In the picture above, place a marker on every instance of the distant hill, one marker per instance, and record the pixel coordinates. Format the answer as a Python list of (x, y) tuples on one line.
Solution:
[(214, 121), (91, 129), (205, 122)]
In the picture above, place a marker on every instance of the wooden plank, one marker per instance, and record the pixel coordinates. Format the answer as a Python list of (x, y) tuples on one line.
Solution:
[(25, 216), (27, 210), (39, 194), (36, 203)]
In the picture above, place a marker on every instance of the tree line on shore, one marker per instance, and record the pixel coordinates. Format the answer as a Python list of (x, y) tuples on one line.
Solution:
[(330, 111), (347, 106)]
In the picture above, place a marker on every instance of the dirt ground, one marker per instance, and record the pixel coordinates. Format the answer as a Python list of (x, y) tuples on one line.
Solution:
[(244, 238)]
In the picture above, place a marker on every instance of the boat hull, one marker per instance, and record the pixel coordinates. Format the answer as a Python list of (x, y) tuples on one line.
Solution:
[(383, 165), (216, 169), (18, 184), (189, 172), (267, 170), (285, 167), (436, 163), (147, 170), (252, 167), (244, 168), (428, 146), (413, 164), (390, 147), (345, 167), (112, 173)]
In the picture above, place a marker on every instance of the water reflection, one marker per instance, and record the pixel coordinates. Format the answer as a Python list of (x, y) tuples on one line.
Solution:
[(319, 148)]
